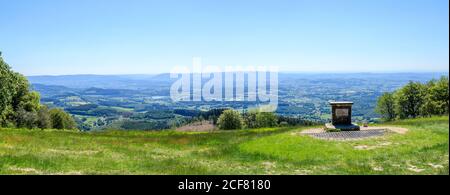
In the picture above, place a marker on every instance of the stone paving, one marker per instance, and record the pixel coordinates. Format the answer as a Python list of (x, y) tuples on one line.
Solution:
[(348, 135)]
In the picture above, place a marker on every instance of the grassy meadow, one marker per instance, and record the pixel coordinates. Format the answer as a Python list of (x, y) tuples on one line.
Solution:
[(424, 149)]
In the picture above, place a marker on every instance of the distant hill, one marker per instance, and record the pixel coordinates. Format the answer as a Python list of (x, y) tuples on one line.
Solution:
[(101, 81), (147, 81)]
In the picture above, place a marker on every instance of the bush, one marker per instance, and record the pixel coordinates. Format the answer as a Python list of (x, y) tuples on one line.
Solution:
[(294, 121), (255, 119), (61, 120), (44, 121), (249, 120), (266, 119), (230, 120), (26, 119)]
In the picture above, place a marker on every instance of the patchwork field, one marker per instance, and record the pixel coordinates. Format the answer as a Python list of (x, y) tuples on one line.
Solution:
[(424, 149)]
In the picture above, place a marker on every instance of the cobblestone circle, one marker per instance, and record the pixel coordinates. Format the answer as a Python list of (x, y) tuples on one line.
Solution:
[(348, 135)]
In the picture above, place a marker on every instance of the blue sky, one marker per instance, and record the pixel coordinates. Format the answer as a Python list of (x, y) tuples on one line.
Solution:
[(52, 37)]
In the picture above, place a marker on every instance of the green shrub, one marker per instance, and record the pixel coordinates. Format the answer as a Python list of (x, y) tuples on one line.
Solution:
[(255, 119), (266, 119), (229, 120), (249, 120), (61, 120), (44, 121)]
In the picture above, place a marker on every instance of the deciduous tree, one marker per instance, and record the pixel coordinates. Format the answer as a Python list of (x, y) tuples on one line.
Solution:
[(386, 106), (230, 120)]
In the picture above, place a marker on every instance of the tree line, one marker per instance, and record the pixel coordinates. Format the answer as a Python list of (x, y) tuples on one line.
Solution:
[(415, 100), (20, 107), (231, 120)]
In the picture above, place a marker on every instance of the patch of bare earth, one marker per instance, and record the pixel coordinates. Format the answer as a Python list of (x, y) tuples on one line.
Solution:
[(315, 130), (366, 147), (398, 130), (435, 166), (33, 171), (378, 168), (202, 126), (68, 173), (25, 170), (72, 152), (414, 168)]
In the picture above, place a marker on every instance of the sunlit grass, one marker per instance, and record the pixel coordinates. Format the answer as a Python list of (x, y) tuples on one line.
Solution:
[(423, 150)]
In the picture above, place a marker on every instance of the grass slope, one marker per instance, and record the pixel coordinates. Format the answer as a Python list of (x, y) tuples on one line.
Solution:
[(423, 150)]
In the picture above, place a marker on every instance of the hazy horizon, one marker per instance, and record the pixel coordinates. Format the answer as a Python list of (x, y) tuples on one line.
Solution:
[(294, 72)]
